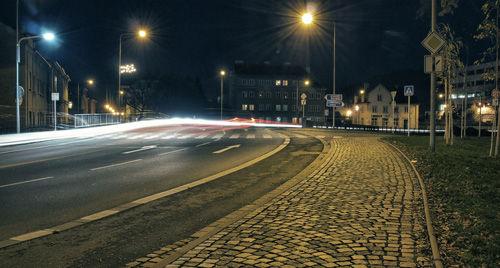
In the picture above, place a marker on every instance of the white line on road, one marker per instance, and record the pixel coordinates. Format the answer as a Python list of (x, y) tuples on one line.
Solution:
[(218, 136), (144, 148), (115, 165), (203, 144), (168, 137), (185, 137), (23, 182), (227, 148), (202, 136), (174, 151)]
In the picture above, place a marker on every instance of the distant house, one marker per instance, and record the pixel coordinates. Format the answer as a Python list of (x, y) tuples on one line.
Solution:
[(375, 109), (273, 92)]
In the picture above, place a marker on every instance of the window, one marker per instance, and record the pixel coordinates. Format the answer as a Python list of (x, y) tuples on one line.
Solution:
[(261, 94), (374, 109), (285, 83), (268, 107), (278, 83), (379, 97), (406, 109), (251, 94), (278, 107), (386, 109), (262, 107), (285, 108), (385, 121), (374, 121), (244, 107), (251, 107), (244, 94), (285, 95), (396, 110), (396, 122)]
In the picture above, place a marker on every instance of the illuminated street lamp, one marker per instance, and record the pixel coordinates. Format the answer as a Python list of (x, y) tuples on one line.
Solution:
[(47, 36), (308, 19), (141, 34), (89, 82), (222, 74)]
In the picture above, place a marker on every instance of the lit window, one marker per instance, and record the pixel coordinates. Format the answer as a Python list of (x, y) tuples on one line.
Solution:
[(379, 97), (285, 82), (244, 107), (285, 108), (278, 107), (278, 82), (251, 107)]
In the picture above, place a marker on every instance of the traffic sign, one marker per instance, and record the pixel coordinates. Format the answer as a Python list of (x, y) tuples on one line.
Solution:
[(55, 96), (409, 90), (436, 65), (303, 102), (303, 96), (330, 103), (328, 97), (337, 97), (433, 42)]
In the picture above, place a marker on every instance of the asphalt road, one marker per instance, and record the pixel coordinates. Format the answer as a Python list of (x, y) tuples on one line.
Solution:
[(49, 183)]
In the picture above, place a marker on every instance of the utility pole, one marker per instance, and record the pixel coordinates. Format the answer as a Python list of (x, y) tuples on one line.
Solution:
[(334, 71), (432, 136)]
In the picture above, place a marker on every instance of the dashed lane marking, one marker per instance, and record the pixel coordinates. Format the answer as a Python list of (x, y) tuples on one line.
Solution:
[(24, 182)]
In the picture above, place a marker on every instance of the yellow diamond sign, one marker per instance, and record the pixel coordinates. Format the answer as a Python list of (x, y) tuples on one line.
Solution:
[(433, 42)]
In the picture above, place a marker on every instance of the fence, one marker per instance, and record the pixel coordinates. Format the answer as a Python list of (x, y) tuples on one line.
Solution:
[(89, 120)]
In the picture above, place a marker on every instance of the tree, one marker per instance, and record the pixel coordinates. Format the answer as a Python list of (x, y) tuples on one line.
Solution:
[(452, 62), (488, 32)]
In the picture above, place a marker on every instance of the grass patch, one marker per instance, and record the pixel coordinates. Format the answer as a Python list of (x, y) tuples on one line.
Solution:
[(463, 185)]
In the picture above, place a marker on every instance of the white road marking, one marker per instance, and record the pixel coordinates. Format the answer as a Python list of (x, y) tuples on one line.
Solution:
[(202, 136), (267, 136), (203, 144), (251, 136), (23, 182), (174, 151), (144, 148), (234, 136), (185, 137), (115, 165), (227, 149)]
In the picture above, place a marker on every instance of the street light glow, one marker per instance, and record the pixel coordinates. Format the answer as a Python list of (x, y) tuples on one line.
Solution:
[(142, 33), (362, 91), (307, 82), (129, 68), (307, 18), (90, 81), (356, 108), (222, 72), (49, 36)]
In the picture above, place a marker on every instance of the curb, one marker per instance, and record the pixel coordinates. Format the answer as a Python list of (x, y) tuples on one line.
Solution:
[(254, 208), (141, 201), (428, 220)]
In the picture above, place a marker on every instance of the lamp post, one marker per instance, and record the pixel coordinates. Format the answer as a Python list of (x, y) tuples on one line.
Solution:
[(308, 19), (142, 34), (393, 95), (222, 74), (46, 36), (306, 83)]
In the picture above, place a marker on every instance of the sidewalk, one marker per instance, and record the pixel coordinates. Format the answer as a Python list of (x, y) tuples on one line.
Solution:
[(360, 207)]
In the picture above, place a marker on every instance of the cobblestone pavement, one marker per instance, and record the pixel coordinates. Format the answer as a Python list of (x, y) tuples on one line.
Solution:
[(361, 208)]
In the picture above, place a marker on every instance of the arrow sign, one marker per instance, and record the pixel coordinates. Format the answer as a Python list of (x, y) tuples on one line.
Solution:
[(227, 148), (144, 148)]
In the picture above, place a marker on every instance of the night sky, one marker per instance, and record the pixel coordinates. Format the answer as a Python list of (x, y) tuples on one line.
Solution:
[(197, 37)]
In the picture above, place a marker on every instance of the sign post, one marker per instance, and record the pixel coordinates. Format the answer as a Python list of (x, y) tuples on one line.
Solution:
[(409, 91), (303, 101), (55, 98)]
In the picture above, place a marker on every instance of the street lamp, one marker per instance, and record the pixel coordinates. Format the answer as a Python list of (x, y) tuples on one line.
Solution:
[(308, 19), (306, 83), (141, 34), (222, 74), (90, 82), (48, 36)]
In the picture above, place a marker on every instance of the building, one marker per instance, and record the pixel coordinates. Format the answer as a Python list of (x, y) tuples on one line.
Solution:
[(474, 81), (375, 109), (273, 93), (38, 78)]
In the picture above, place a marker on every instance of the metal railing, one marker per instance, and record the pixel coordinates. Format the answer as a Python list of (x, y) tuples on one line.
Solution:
[(90, 120)]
